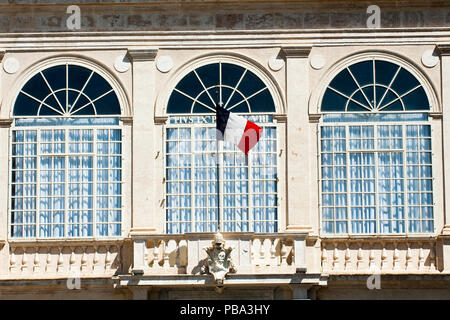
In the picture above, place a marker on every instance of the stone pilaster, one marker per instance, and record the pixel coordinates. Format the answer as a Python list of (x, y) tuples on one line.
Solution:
[(144, 137), (300, 141), (444, 51)]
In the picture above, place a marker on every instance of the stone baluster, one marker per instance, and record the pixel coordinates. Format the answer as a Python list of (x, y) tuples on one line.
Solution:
[(84, 260), (36, 262), (166, 253), (118, 259), (421, 259), (24, 260), (372, 259), (432, 257), (283, 252), (359, 257), (408, 257), (96, 259), (48, 260), (324, 259), (177, 253), (183, 254), (252, 252), (261, 252), (156, 254), (335, 257), (383, 257), (396, 262), (60, 262), (347, 256), (12, 260), (273, 260), (72, 260), (108, 259)]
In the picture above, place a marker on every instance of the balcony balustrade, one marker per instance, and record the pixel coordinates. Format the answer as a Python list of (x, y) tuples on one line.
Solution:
[(382, 255), (251, 253), (62, 259)]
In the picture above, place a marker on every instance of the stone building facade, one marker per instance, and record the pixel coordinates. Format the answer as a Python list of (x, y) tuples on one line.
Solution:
[(109, 182)]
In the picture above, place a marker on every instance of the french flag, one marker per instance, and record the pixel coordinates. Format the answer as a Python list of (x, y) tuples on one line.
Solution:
[(233, 128)]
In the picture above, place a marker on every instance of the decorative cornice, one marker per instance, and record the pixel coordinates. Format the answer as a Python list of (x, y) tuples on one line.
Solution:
[(143, 54), (5, 123), (296, 51)]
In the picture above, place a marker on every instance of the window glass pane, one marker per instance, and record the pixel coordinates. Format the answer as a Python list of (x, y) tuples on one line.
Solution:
[(65, 186), (246, 182), (390, 187)]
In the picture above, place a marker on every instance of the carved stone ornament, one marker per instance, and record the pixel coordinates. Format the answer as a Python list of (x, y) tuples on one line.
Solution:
[(219, 261)]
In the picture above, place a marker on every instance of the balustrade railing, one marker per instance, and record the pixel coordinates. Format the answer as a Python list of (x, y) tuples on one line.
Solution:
[(56, 259), (184, 254), (390, 256)]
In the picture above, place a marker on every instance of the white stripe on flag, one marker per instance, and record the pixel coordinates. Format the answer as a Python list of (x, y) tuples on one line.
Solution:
[(235, 128)]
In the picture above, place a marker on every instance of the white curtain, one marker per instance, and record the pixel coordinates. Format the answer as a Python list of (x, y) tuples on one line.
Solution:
[(401, 186), (66, 207), (193, 151)]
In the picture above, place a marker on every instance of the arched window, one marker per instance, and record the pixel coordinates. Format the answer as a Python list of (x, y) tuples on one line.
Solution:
[(374, 85), (248, 188), (375, 159), (66, 156)]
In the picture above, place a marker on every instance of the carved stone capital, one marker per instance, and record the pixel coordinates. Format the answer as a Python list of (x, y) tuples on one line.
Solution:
[(5, 123), (161, 119), (314, 117), (2, 54), (443, 49), (127, 120), (281, 118), (142, 54), (296, 51)]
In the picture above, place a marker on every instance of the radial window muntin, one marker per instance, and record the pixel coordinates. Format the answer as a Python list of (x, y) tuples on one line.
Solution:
[(225, 94), (62, 106), (380, 102)]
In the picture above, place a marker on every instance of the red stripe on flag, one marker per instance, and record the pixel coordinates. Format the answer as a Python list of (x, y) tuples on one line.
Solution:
[(250, 138)]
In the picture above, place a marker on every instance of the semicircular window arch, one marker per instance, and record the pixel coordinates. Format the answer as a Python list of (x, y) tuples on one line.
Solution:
[(374, 86), (66, 90), (232, 86)]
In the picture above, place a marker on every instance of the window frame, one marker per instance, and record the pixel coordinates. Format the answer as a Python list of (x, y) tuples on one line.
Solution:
[(278, 181), (66, 155), (376, 151), (123, 124), (279, 121)]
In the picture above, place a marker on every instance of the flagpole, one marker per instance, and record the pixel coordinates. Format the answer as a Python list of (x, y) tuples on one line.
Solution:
[(217, 168)]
